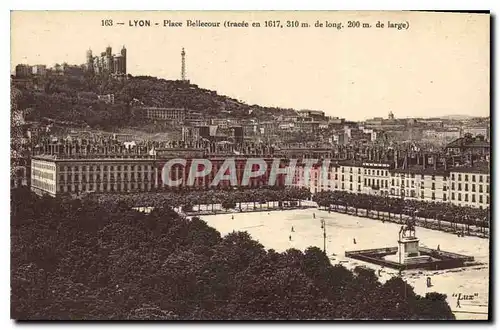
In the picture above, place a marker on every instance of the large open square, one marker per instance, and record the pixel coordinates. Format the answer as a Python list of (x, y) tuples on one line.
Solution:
[(345, 232)]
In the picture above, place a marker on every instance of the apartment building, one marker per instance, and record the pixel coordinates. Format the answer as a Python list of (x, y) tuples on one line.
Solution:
[(470, 186)]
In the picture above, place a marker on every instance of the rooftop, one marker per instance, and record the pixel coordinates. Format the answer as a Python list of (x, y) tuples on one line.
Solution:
[(419, 169), (480, 167), (463, 142)]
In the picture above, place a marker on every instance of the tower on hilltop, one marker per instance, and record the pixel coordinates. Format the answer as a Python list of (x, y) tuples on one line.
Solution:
[(183, 65), (124, 55), (90, 61)]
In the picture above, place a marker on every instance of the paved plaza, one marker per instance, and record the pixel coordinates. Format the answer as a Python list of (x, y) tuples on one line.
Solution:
[(345, 232)]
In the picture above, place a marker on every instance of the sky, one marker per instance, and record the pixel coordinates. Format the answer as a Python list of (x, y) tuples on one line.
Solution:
[(439, 66)]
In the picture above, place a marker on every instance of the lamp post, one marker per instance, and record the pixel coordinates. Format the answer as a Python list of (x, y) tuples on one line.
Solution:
[(323, 226)]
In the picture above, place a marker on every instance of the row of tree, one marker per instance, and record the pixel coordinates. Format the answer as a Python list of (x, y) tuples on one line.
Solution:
[(438, 211), (227, 198), (80, 259)]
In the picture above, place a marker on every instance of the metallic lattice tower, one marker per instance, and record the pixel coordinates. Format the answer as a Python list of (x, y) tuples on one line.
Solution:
[(183, 65)]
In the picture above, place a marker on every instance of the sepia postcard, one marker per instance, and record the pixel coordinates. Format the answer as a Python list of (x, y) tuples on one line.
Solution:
[(250, 165)]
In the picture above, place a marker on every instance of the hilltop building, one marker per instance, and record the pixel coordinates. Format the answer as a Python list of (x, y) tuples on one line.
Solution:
[(107, 62)]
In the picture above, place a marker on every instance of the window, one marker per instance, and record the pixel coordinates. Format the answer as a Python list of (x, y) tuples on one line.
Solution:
[(350, 178), (453, 176), (466, 197), (359, 179), (423, 176), (459, 186), (466, 177), (460, 177), (459, 196), (488, 188), (365, 171), (359, 188), (452, 196), (480, 178), (378, 172), (473, 187), (487, 199), (350, 186), (433, 196), (433, 177), (444, 197), (473, 198), (487, 179), (359, 171), (480, 188), (392, 182), (422, 194), (481, 199), (473, 178), (453, 186), (365, 181), (386, 183), (342, 185), (342, 177), (433, 186)]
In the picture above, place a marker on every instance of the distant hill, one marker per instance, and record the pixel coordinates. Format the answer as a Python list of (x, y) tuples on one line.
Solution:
[(455, 117), (75, 99)]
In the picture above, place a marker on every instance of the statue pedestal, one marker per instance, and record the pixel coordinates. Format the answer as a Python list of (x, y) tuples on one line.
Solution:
[(408, 249)]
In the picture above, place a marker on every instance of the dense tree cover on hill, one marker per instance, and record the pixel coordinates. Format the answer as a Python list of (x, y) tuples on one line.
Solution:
[(439, 211), (76, 259), (74, 99)]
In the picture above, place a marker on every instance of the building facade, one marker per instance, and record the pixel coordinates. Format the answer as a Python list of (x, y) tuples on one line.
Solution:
[(174, 114), (470, 186), (107, 62)]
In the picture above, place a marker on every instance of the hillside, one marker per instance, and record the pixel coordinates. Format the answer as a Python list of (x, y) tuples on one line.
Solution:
[(75, 99)]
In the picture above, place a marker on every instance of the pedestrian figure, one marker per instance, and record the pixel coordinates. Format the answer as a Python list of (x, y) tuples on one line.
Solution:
[(458, 301), (232, 217), (290, 237), (354, 240), (439, 248), (293, 230), (314, 215)]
